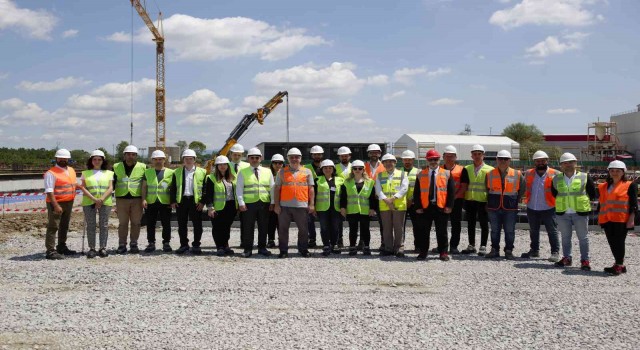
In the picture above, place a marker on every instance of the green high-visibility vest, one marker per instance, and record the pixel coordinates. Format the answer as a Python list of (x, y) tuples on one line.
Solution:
[(389, 186), (411, 176), (220, 193), (313, 170), (131, 184), (255, 190), (241, 166), (198, 180), (343, 171), (95, 187), (358, 202), (573, 196), (477, 190), (155, 190), (323, 197)]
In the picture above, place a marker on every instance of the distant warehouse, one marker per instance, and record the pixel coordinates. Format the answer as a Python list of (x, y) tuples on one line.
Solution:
[(421, 143)]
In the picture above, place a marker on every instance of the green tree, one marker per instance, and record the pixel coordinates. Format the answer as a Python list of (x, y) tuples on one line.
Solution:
[(80, 156), (198, 147), (182, 145), (529, 137), (120, 150)]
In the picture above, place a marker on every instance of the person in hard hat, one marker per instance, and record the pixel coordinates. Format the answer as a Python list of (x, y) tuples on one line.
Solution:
[(97, 186), (253, 192), (410, 171), (574, 191), (391, 189), (373, 167), (220, 198), (277, 163), (186, 198), (472, 184), (127, 181), (505, 188), (616, 212), (343, 167), (450, 156), (60, 190), (235, 159), (156, 201), (433, 196), (327, 190), (294, 200), (358, 203), (541, 206), (317, 155)]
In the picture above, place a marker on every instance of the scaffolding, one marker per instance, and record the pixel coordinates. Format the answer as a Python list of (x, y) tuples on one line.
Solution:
[(603, 144)]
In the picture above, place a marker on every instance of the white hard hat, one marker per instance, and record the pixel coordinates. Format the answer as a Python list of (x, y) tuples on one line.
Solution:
[(408, 154), (294, 152), (475, 148), (451, 149), (237, 148), (327, 162), (389, 156), (158, 154), (357, 163), (63, 153), (540, 155), (131, 149), (567, 157), (504, 154), (97, 153), (254, 152), (277, 158), (374, 147), (221, 160), (316, 149), (189, 153), (617, 164), (344, 150)]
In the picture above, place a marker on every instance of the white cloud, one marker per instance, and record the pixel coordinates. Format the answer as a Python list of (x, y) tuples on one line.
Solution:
[(445, 102), (438, 72), (201, 39), (346, 109), (546, 12), (563, 111), (16, 112), (111, 96), (553, 46), (58, 84), (200, 101), (36, 24), (378, 80), (394, 95), (71, 33), (406, 75)]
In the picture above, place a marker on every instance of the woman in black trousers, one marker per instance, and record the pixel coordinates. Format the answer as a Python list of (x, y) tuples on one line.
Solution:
[(220, 197)]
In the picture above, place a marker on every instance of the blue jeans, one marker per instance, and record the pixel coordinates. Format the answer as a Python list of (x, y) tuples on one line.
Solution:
[(565, 224), (548, 219), (330, 226), (503, 219)]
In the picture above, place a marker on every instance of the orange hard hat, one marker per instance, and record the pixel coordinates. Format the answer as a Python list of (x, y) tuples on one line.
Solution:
[(432, 153)]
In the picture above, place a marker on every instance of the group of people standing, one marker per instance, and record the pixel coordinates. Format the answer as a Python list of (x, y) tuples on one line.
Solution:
[(272, 198)]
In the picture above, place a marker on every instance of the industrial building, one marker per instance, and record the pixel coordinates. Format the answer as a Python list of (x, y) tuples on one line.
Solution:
[(628, 130), (421, 143)]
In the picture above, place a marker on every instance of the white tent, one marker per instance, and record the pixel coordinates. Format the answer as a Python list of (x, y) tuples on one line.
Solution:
[(421, 143)]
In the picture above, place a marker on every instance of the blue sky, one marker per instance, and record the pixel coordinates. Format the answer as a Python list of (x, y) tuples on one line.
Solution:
[(356, 71)]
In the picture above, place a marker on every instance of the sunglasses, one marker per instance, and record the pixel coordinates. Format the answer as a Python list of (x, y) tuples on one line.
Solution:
[(504, 159), (357, 169)]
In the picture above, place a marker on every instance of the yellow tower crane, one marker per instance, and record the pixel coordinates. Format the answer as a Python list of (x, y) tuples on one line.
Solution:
[(158, 37)]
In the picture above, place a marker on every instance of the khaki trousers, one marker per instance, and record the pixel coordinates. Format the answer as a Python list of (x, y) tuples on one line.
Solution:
[(129, 212), (57, 223), (393, 230)]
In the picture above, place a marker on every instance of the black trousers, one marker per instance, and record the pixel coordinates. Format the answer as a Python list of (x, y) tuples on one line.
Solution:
[(187, 211), (616, 233), (477, 210), (273, 225), (365, 234), (258, 211), (425, 221), (157, 211), (221, 224), (456, 222)]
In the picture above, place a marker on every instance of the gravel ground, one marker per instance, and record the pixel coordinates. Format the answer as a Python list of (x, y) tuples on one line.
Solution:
[(163, 301)]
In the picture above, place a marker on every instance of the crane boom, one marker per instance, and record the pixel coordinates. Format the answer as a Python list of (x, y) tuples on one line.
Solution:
[(160, 92)]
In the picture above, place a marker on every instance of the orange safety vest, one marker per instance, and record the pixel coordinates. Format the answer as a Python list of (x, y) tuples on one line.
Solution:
[(373, 173), (64, 189), (548, 183), (442, 177), (456, 174), (614, 205), (503, 198), (294, 186)]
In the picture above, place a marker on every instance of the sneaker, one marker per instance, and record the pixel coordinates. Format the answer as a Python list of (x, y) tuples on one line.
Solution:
[(565, 261), (166, 247), (150, 248), (195, 250), (400, 255), (555, 257), (530, 254), (247, 254), (336, 250), (312, 244), (183, 249), (444, 257), (264, 252), (494, 253), (283, 255), (228, 251), (66, 251), (220, 252), (367, 251), (103, 253), (422, 256), (54, 255), (271, 244), (584, 265), (454, 251), (615, 270), (305, 254), (482, 251), (91, 254), (469, 250), (508, 254), (134, 249), (121, 249)]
